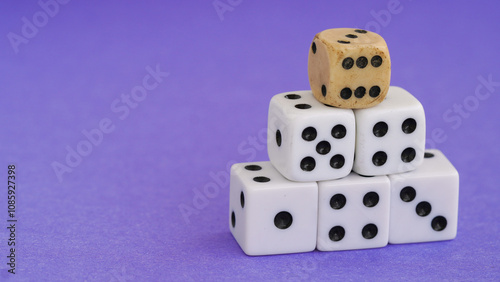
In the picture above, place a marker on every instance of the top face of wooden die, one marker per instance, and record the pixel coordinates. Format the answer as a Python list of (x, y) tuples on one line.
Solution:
[(349, 68)]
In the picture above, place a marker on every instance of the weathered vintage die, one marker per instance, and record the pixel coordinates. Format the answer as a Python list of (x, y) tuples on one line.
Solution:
[(349, 68)]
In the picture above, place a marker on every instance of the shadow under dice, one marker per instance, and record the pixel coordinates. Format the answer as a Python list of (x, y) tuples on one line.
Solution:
[(390, 137), (269, 214), (307, 140), (349, 68)]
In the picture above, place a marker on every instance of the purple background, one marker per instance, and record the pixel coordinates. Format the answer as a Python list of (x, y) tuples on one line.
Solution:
[(116, 216)]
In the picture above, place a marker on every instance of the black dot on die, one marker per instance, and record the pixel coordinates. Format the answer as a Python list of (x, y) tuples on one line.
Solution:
[(233, 219), (376, 61), (370, 199), (337, 233), (337, 161), (309, 134), (408, 155), (423, 208), (323, 90), (337, 201), (380, 129), (313, 47), (374, 91), (283, 220), (303, 106), (369, 231), (351, 36), (379, 158), (278, 138), (242, 199), (362, 62), (407, 194), (360, 92), (261, 179), (348, 63), (253, 167), (360, 31), (343, 41), (339, 131), (323, 148), (439, 223), (409, 125), (428, 155), (346, 93), (307, 164), (293, 96)]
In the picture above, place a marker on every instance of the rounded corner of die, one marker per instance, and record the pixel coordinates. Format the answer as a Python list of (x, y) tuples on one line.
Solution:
[(235, 168), (250, 253)]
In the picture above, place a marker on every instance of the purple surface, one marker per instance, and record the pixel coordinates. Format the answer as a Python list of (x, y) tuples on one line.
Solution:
[(116, 216)]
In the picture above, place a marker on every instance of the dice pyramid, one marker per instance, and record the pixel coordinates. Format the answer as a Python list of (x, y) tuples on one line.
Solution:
[(347, 168)]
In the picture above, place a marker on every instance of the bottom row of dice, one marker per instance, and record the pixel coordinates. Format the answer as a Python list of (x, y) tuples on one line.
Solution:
[(272, 215)]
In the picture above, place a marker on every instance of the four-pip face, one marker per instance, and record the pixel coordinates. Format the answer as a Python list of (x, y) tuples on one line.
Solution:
[(349, 68)]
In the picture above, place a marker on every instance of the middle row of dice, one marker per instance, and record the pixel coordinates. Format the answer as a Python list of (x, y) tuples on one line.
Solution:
[(310, 141)]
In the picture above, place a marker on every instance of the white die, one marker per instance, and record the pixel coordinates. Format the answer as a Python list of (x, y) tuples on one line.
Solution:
[(424, 202), (269, 214), (307, 140), (390, 137), (353, 213)]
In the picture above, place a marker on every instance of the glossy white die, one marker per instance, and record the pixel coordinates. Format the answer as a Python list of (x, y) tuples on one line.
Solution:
[(390, 137), (424, 202), (353, 213), (307, 140), (269, 214)]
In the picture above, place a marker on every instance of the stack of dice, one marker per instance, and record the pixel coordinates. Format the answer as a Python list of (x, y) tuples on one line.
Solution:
[(348, 167)]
